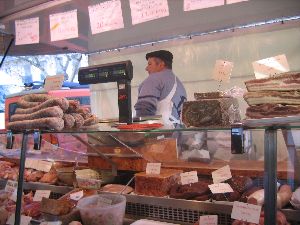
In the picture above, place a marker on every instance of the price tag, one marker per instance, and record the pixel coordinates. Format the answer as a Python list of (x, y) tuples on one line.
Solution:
[(153, 168), (221, 174), (44, 166), (54, 82), (103, 201), (220, 188), (246, 212), (14, 196), (30, 163), (27, 31), (270, 66), (222, 70), (25, 220), (189, 177), (208, 220), (77, 195), (160, 137), (11, 186), (39, 194), (51, 223)]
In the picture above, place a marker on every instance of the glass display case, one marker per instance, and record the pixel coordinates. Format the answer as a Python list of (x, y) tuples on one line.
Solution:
[(269, 157)]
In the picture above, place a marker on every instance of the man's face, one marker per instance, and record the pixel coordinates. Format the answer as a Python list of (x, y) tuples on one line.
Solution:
[(155, 65)]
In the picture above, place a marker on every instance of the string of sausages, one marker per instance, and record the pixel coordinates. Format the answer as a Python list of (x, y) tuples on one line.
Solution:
[(41, 111)]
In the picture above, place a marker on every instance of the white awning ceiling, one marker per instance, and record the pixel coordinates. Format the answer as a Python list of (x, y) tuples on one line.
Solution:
[(177, 23)]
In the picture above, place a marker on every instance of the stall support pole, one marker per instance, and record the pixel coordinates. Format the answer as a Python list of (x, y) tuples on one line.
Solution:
[(270, 176), (20, 179)]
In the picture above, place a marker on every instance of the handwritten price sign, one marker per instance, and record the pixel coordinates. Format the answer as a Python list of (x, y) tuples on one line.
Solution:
[(246, 212), (201, 4), (146, 10), (106, 16), (153, 168), (27, 31), (63, 25), (222, 70), (270, 66)]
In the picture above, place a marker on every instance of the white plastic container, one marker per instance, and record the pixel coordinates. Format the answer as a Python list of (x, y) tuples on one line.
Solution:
[(102, 209)]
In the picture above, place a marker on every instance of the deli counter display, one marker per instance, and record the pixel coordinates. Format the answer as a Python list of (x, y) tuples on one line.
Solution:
[(165, 174)]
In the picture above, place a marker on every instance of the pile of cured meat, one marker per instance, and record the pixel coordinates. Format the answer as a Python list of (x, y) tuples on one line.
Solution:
[(273, 97), (42, 111)]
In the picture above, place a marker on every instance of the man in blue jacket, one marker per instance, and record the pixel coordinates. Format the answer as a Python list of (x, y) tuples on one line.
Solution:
[(161, 93)]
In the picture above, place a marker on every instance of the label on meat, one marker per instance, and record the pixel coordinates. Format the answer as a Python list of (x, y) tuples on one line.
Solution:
[(246, 212), (153, 168), (77, 195), (208, 220), (11, 186), (220, 188), (221, 174), (39, 194), (189, 177)]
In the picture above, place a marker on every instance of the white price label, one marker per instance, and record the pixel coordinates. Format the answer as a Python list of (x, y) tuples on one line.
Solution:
[(220, 188), (221, 174), (53, 82), (246, 212), (160, 137), (270, 66), (189, 177), (31, 163), (77, 195), (14, 196), (153, 168), (103, 201), (39, 194), (11, 186), (51, 223), (25, 220), (44, 166), (222, 70), (208, 220)]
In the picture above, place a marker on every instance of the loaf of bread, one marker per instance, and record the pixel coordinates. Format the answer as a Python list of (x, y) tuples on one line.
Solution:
[(156, 184)]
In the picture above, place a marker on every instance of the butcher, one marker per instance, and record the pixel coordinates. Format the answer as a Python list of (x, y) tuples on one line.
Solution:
[(161, 93)]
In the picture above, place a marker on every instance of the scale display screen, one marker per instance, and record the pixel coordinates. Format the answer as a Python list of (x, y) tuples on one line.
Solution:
[(106, 73)]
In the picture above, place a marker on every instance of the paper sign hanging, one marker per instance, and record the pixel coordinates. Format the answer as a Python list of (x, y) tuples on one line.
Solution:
[(53, 82), (106, 16), (246, 212), (235, 1), (153, 168), (222, 70), (63, 25), (220, 188), (270, 66), (189, 5), (39, 194), (221, 174), (27, 31), (208, 220), (25, 220), (146, 10), (189, 177)]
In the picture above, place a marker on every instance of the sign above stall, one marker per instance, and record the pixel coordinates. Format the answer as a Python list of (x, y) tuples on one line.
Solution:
[(270, 66), (27, 31)]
